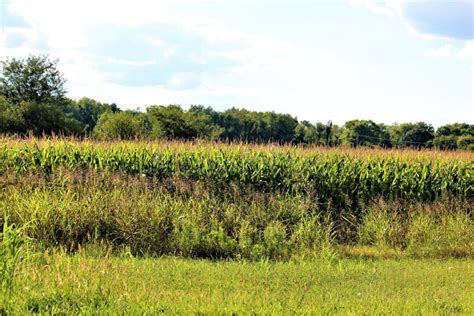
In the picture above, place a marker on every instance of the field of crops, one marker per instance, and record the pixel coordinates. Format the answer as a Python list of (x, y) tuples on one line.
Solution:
[(359, 174)]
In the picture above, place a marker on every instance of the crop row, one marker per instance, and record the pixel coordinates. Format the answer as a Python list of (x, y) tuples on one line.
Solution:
[(326, 174)]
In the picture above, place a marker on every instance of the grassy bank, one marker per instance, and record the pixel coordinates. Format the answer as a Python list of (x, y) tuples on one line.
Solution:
[(153, 217), (93, 282)]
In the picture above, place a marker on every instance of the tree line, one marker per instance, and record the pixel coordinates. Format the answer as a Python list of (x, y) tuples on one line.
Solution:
[(33, 101)]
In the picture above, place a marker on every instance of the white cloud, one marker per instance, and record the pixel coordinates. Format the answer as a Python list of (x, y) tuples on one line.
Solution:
[(137, 63), (183, 80), (443, 51), (467, 52), (64, 28), (64, 21), (386, 7), (439, 19), (416, 33)]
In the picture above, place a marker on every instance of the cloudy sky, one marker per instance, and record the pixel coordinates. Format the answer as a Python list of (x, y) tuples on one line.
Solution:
[(389, 61)]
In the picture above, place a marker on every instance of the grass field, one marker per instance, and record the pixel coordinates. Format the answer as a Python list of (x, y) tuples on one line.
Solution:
[(85, 283), (136, 227)]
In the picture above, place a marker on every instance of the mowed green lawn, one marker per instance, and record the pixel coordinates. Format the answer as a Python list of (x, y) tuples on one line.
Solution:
[(124, 285)]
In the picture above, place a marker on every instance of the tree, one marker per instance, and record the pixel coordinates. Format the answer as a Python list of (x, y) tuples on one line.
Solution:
[(203, 122), (208, 111), (444, 142), (303, 133), (38, 119), (416, 135), (245, 125), (34, 79), (169, 122), (361, 132), (34, 91), (466, 142), (385, 139), (11, 118), (87, 111), (241, 124), (316, 134), (279, 127), (172, 122), (327, 132), (456, 129), (335, 138), (122, 125), (48, 118)]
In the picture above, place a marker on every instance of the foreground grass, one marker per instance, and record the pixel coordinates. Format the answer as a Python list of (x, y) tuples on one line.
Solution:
[(80, 283)]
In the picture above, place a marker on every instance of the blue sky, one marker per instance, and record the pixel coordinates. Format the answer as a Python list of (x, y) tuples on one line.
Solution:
[(389, 61)]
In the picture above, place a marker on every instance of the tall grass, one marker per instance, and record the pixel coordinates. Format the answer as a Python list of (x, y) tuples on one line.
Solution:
[(174, 217), (445, 230), (13, 248)]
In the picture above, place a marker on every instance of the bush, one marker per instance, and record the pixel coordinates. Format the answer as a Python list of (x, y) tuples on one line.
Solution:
[(466, 142), (121, 125), (446, 142)]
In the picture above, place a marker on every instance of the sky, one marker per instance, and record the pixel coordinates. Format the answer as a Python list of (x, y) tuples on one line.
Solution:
[(389, 61)]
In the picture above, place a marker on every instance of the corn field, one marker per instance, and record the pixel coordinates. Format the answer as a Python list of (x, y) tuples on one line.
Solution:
[(357, 174)]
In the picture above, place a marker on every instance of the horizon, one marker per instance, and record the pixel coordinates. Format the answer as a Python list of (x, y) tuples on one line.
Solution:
[(385, 61)]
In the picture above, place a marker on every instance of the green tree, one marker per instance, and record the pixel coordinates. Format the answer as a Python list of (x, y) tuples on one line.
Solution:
[(335, 137), (11, 118), (87, 111), (34, 79), (39, 119), (466, 142), (415, 135), (301, 131), (315, 134), (47, 118), (445, 142), (361, 133), (172, 122), (208, 111), (385, 137), (34, 89), (456, 129), (279, 127), (122, 125), (203, 122), (169, 122), (242, 124)]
